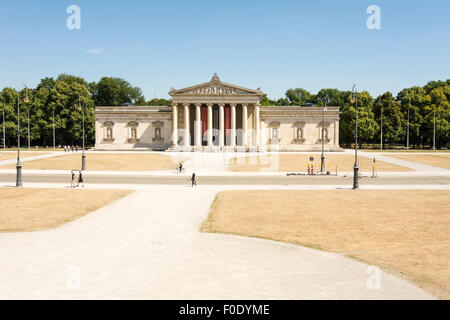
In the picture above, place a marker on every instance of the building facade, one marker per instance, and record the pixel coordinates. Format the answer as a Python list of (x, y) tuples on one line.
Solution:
[(217, 116)]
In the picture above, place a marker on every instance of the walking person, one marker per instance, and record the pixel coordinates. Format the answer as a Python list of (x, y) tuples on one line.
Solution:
[(80, 179), (72, 183), (194, 182)]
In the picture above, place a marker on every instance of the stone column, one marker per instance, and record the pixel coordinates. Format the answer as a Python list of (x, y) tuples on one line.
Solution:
[(221, 125), (198, 126), (233, 125), (210, 130), (257, 122), (187, 135), (244, 125), (174, 124)]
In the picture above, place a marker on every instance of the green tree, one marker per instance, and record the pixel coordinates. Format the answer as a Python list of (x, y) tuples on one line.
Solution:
[(367, 126), (115, 92), (159, 102), (412, 99), (393, 118), (437, 108), (299, 96)]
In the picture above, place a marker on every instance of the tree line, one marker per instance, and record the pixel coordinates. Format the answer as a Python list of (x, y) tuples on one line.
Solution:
[(61, 102)]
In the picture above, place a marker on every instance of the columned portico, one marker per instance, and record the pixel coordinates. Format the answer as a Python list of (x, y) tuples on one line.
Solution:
[(174, 125), (198, 126), (233, 125), (209, 127), (244, 125), (257, 127), (187, 134)]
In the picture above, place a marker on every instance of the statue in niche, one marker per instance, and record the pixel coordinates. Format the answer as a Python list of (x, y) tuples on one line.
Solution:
[(299, 133), (133, 133), (158, 133), (109, 133), (275, 133)]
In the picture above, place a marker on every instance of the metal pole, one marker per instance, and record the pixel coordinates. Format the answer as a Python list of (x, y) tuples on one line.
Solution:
[(4, 133), (434, 129), (322, 158), (83, 155), (381, 142), (407, 132), (19, 164), (356, 167), (54, 140), (29, 145)]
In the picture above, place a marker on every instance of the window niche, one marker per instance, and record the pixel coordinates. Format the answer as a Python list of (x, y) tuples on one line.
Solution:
[(108, 135), (299, 132), (158, 127), (274, 133), (325, 130), (132, 132)]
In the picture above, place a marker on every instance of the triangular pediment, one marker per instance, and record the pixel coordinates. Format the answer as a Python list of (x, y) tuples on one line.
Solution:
[(214, 88)]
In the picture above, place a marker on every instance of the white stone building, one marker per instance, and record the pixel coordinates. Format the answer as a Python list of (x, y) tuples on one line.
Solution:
[(216, 116)]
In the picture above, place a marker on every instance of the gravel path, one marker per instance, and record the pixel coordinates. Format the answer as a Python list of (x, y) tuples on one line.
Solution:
[(147, 246)]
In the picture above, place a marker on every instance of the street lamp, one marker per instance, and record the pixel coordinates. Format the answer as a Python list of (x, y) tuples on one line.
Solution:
[(322, 157), (83, 155), (434, 128), (19, 164), (54, 140), (28, 112), (4, 133), (407, 132), (381, 139), (355, 167)]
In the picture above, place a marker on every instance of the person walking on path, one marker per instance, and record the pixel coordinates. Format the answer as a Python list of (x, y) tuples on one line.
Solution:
[(80, 179), (194, 182), (72, 183)]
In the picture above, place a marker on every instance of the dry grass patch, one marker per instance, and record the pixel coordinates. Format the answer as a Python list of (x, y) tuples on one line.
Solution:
[(103, 161), (437, 160), (406, 231), (298, 163), (35, 209), (23, 154)]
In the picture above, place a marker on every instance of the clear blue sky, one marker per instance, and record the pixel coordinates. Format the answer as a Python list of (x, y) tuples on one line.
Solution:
[(270, 44)]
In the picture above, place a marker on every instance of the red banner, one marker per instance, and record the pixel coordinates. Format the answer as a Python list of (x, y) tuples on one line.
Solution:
[(227, 120), (204, 122)]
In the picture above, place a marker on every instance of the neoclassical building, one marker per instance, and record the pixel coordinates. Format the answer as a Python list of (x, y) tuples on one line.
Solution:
[(216, 116)]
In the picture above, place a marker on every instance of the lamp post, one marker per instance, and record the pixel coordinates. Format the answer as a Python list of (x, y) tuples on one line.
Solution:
[(83, 155), (4, 133), (19, 164), (355, 167), (381, 138), (407, 132), (29, 144), (322, 157), (434, 128)]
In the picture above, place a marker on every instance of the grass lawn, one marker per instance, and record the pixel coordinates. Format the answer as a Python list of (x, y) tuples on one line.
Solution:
[(402, 231), (34, 209), (298, 163), (23, 154), (103, 161), (437, 160)]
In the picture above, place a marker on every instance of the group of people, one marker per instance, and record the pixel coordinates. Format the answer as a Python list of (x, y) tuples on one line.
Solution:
[(80, 179), (71, 148)]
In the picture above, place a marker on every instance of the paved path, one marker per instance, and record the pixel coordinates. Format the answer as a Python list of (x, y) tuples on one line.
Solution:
[(147, 245), (8, 178)]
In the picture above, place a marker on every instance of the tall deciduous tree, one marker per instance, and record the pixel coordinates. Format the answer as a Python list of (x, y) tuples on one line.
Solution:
[(115, 92), (393, 118)]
